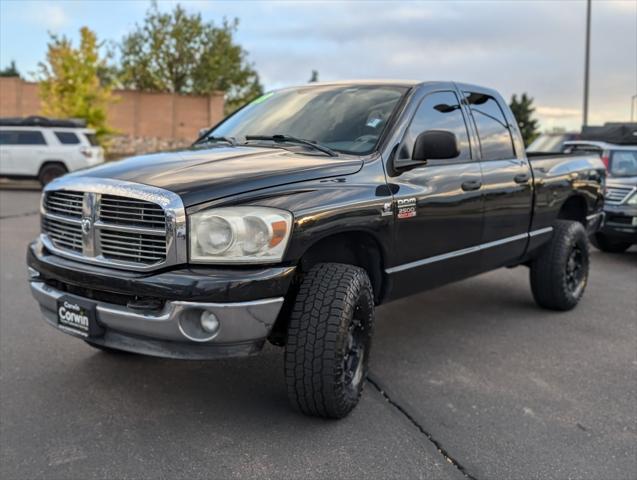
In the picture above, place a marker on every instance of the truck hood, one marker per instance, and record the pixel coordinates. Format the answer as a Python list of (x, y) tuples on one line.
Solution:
[(201, 175)]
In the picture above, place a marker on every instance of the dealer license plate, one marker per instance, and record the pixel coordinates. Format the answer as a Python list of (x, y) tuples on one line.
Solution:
[(78, 317)]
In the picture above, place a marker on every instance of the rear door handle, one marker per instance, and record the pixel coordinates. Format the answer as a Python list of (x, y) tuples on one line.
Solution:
[(471, 185), (521, 178)]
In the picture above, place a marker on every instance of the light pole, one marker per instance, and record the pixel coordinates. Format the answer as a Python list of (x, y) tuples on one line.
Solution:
[(587, 61)]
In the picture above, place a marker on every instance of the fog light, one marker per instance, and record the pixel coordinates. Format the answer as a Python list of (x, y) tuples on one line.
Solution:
[(209, 322)]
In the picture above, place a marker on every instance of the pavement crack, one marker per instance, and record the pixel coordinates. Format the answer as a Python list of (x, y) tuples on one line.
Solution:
[(18, 215), (373, 380)]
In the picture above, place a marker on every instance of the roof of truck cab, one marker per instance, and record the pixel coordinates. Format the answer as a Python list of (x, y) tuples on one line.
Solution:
[(393, 83), (389, 81), (356, 83)]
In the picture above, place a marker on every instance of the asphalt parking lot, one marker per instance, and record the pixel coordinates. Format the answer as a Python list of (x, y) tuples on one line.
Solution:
[(467, 381)]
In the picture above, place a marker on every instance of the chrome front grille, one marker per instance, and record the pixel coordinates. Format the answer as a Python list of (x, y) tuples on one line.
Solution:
[(68, 204), (132, 247), (126, 211), (63, 234), (617, 195), (118, 224)]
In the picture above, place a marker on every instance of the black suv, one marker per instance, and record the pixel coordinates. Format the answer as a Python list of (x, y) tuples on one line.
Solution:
[(620, 227)]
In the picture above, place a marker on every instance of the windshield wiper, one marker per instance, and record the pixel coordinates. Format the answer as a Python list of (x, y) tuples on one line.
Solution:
[(212, 139), (289, 139)]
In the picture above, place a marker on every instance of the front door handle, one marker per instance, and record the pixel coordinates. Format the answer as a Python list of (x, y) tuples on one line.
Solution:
[(521, 178), (471, 185)]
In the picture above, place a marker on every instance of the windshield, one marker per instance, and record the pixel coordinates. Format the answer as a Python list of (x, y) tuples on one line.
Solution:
[(347, 119), (623, 163)]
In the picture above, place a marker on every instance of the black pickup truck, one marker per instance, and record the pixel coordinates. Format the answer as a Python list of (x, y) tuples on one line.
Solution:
[(292, 218)]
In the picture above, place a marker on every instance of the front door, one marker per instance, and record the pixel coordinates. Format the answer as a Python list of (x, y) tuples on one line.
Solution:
[(438, 216)]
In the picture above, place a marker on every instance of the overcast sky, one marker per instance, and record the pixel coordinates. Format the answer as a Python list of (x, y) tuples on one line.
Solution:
[(514, 46)]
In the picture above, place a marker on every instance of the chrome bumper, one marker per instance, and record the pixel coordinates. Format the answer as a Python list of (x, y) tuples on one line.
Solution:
[(167, 333)]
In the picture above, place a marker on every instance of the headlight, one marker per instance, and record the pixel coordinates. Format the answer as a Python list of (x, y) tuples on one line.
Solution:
[(633, 199), (239, 235)]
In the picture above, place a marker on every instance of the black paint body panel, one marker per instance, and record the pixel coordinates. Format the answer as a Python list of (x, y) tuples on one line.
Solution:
[(335, 196), (196, 284)]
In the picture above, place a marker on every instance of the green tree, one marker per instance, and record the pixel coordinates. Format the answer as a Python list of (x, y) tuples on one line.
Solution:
[(179, 52), (314, 77), (10, 71), (523, 111), (70, 85)]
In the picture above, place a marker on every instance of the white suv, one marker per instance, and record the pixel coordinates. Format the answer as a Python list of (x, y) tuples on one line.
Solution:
[(46, 151)]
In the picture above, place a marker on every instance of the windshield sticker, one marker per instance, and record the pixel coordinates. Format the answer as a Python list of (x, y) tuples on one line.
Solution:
[(262, 98), (373, 122)]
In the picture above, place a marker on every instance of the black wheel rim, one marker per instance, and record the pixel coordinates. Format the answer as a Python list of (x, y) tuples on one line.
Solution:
[(575, 270), (51, 175), (355, 350)]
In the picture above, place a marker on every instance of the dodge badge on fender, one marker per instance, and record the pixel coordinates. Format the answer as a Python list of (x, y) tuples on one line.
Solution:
[(293, 218)]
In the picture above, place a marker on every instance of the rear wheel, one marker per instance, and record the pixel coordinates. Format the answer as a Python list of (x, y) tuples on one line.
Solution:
[(609, 244), (560, 272), (50, 172), (329, 339)]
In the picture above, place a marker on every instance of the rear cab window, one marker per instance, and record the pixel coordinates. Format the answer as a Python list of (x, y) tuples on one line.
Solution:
[(496, 142), (21, 137), (67, 138), (439, 111)]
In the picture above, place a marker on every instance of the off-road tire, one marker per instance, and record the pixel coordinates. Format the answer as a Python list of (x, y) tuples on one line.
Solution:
[(51, 171), (334, 309), (608, 244), (552, 276)]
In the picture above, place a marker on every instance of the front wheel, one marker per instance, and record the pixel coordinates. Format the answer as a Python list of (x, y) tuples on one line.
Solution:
[(559, 274), (608, 244), (329, 339), (50, 172)]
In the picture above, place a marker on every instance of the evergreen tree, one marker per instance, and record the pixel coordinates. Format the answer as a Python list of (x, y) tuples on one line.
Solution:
[(523, 111)]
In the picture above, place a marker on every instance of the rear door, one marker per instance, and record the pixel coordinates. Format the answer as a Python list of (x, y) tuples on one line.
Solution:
[(506, 178), (25, 149), (438, 205), (7, 165)]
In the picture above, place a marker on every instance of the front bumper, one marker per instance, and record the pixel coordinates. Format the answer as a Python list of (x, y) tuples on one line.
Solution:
[(242, 331), (158, 314), (620, 222)]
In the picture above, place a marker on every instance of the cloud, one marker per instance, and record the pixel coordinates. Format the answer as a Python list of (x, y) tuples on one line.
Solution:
[(515, 47), (51, 16), (556, 112)]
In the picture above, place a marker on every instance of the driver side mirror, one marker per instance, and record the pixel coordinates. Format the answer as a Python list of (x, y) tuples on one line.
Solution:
[(435, 145)]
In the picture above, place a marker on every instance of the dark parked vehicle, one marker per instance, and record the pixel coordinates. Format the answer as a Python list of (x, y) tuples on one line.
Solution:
[(291, 219), (619, 232)]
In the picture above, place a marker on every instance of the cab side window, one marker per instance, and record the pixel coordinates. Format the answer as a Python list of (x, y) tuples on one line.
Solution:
[(496, 142), (440, 111)]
